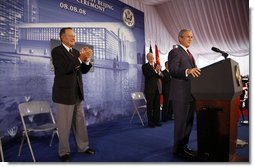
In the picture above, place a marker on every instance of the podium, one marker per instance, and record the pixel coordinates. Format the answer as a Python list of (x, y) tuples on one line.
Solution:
[(216, 92)]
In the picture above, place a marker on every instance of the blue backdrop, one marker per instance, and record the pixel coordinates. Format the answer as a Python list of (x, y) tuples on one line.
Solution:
[(28, 31)]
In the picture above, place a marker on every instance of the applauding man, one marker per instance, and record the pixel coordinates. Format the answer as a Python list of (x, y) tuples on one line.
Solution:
[(153, 89), (69, 65)]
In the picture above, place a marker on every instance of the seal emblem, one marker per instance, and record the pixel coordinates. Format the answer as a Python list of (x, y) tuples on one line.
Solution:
[(128, 17)]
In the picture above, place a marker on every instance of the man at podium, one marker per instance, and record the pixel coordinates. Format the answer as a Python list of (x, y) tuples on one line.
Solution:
[(181, 66)]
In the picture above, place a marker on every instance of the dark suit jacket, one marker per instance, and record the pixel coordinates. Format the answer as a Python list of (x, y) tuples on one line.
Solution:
[(180, 86), (67, 76), (151, 79), (165, 82)]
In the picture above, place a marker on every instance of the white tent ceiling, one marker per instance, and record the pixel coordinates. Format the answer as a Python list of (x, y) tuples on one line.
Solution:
[(220, 23), (153, 2)]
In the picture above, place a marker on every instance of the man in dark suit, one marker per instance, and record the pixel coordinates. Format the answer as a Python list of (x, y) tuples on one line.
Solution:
[(167, 111), (152, 73), (69, 65), (181, 67)]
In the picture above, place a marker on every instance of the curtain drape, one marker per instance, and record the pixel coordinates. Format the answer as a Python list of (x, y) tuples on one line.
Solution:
[(220, 23), (215, 23), (155, 30)]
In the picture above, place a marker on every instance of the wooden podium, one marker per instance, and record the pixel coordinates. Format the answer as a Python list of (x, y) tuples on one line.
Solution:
[(216, 92)]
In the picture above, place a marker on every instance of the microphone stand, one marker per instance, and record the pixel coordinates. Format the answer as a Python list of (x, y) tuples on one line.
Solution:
[(225, 55)]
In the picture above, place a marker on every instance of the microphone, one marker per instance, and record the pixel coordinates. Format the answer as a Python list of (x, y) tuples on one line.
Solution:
[(224, 54), (216, 49)]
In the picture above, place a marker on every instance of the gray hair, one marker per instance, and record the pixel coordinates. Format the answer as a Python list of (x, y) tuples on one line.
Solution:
[(149, 54), (182, 32)]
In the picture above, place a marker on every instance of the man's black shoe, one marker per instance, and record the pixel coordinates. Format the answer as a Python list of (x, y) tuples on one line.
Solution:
[(151, 125), (157, 124), (89, 151), (65, 158), (164, 120), (203, 157), (186, 154), (189, 151)]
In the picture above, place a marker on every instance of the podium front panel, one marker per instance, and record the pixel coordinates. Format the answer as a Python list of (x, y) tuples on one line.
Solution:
[(218, 81)]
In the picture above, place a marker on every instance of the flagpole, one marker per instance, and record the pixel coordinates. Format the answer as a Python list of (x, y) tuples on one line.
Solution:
[(150, 49)]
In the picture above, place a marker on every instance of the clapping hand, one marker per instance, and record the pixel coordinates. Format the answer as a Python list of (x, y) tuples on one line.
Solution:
[(158, 68), (85, 53)]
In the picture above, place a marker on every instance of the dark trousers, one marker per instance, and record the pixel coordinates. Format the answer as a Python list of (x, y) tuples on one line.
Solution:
[(153, 108), (183, 122), (167, 109)]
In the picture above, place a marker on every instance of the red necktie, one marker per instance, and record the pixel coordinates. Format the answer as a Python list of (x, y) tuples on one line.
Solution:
[(190, 55)]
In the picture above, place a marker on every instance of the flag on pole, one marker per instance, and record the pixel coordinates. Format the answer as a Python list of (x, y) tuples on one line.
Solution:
[(150, 50), (157, 56)]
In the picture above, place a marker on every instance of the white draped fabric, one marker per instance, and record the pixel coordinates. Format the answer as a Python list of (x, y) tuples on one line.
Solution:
[(155, 30), (220, 23)]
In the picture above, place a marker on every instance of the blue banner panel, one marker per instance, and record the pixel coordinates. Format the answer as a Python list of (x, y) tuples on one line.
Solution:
[(29, 30)]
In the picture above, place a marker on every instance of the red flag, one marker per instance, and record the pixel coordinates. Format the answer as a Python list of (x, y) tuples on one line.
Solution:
[(157, 56)]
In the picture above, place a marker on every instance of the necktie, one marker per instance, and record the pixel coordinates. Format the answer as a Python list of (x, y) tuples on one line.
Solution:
[(190, 55), (71, 51)]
